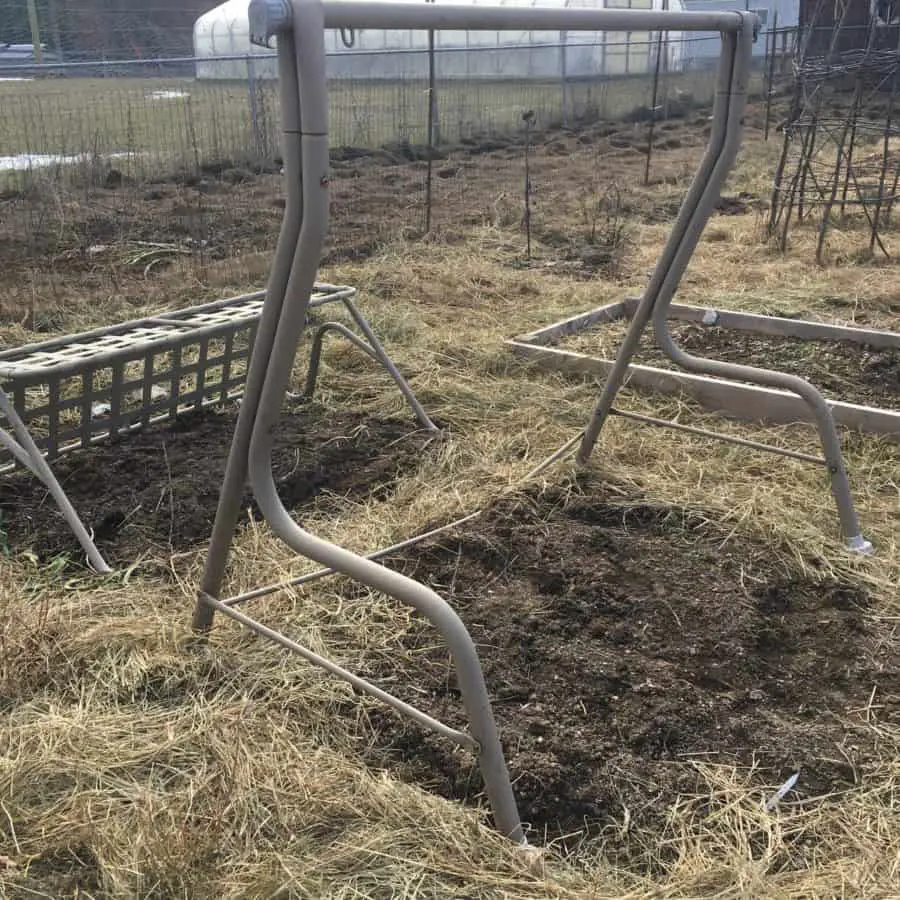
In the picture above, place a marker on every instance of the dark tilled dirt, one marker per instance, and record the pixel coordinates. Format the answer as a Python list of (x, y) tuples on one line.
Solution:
[(621, 643), (59, 245), (155, 492), (842, 370), (228, 210)]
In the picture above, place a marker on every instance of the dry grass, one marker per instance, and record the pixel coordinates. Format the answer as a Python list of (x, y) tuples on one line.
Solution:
[(144, 125), (137, 764)]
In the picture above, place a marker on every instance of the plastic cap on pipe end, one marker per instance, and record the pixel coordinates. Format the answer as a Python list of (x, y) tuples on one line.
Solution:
[(267, 18), (755, 22), (858, 544)]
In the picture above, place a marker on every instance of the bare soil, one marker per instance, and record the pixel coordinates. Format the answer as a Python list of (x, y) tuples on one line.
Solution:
[(155, 492), (59, 242), (842, 370), (621, 642)]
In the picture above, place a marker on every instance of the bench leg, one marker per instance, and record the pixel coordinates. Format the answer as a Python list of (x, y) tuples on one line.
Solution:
[(315, 355), (373, 349), (388, 363), (28, 453)]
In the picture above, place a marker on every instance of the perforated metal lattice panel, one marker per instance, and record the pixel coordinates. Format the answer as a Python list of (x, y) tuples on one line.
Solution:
[(74, 391)]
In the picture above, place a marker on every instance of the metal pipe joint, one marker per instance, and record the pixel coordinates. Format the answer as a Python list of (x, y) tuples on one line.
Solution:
[(267, 18)]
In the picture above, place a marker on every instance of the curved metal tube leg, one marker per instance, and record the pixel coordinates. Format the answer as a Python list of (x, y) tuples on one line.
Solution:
[(235, 479), (831, 445), (831, 442), (315, 353), (671, 268), (695, 211), (373, 349), (425, 601), (388, 363), (307, 49), (309, 45), (29, 454)]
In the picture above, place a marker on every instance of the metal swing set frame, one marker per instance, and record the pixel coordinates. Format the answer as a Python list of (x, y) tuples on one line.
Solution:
[(299, 27)]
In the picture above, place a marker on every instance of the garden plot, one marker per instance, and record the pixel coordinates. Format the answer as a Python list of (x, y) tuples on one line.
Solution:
[(858, 370), (842, 370), (155, 492), (625, 643)]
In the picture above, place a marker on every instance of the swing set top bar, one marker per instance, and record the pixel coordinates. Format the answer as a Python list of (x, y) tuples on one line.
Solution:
[(456, 17)]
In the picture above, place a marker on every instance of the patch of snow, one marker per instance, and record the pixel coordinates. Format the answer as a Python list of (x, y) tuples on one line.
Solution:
[(22, 162), (167, 95)]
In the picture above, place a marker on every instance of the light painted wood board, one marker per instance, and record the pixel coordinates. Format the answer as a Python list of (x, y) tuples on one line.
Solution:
[(773, 326), (741, 401)]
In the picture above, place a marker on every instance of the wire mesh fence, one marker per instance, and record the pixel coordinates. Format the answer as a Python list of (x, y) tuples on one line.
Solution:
[(69, 30), (169, 114), (184, 152)]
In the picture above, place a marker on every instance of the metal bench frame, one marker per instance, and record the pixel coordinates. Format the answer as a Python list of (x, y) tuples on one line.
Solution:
[(299, 27), (69, 393), (750, 402)]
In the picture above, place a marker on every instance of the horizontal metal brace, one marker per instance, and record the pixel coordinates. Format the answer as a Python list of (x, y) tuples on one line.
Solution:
[(271, 17), (718, 436), (458, 737), (457, 17), (322, 573)]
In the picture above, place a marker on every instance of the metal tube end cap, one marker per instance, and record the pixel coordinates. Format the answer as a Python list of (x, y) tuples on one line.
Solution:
[(858, 544), (266, 19)]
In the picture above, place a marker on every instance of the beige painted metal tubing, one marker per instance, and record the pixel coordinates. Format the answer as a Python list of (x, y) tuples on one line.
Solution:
[(452, 734), (656, 303), (236, 470), (713, 170), (373, 348), (717, 436), (388, 363), (315, 353), (831, 442), (308, 30), (831, 445), (29, 454), (458, 17)]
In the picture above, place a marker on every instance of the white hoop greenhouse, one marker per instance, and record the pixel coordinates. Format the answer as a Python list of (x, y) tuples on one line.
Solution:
[(402, 53)]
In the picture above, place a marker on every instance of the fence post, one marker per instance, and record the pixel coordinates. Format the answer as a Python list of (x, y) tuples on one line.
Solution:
[(254, 110), (528, 119), (563, 74), (434, 129), (35, 28), (770, 75), (653, 102), (430, 132), (433, 135)]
